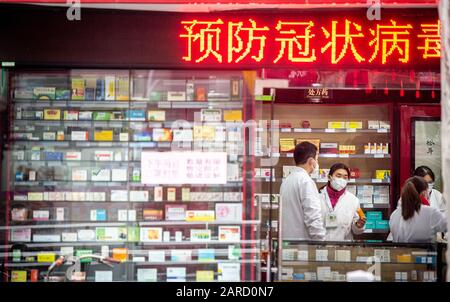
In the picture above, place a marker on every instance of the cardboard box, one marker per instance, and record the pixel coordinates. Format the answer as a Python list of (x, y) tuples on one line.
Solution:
[(374, 215), (373, 125), (103, 136), (336, 125), (232, 115), (329, 148), (354, 125), (287, 145)]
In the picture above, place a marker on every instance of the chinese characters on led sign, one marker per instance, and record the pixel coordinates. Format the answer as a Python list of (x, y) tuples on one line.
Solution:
[(305, 41)]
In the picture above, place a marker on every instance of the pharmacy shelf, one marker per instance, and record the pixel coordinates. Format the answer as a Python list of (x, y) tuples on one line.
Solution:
[(362, 262), (376, 231), (324, 181), (327, 130), (172, 222), (93, 162), (115, 144), (291, 155), (141, 263), (130, 202), (120, 243), (375, 206), (193, 262), (117, 123), (138, 252), (232, 184), (65, 225), (223, 104)]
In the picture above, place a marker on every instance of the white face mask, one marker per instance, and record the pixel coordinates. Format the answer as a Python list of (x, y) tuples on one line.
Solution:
[(316, 169), (338, 183), (430, 187)]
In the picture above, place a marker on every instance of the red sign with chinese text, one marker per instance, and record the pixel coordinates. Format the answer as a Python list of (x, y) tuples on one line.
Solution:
[(307, 40)]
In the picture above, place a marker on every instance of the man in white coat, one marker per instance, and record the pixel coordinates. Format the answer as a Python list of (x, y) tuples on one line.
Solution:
[(301, 211)]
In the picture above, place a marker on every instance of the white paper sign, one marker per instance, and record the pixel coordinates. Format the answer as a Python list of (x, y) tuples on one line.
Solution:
[(184, 167)]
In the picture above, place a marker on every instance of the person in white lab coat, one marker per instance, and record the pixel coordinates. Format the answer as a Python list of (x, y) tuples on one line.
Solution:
[(434, 196), (301, 217), (414, 221), (339, 206)]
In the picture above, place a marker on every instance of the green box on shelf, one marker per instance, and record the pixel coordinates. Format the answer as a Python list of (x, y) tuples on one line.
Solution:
[(101, 116), (44, 93), (263, 98), (382, 224), (133, 234), (155, 96), (79, 253), (62, 94), (374, 215)]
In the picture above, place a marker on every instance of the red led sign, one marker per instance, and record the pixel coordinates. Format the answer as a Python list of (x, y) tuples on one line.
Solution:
[(308, 41)]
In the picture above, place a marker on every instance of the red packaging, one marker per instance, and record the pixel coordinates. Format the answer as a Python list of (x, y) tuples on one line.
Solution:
[(355, 173), (34, 275)]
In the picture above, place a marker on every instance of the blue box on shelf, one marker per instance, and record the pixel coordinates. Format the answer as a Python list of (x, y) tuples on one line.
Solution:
[(142, 137), (426, 259), (370, 224), (101, 215), (50, 155), (135, 115), (298, 276), (382, 224), (374, 215)]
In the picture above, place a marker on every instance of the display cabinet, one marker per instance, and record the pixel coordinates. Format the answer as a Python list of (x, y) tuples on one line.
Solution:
[(331, 261), (356, 134), (149, 168)]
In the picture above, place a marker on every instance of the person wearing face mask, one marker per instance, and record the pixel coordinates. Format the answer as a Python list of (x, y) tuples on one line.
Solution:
[(339, 206), (414, 221), (434, 196), (301, 217)]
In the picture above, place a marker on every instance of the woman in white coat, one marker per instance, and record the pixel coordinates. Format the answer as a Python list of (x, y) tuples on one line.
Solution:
[(434, 196), (339, 206), (414, 221)]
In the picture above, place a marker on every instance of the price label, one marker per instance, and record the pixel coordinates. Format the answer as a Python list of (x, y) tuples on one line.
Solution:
[(368, 231), (304, 130), (275, 154), (352, 180), (350, 130), (163, 104), (330, 130), (289, 154), (377, 180), (329, 155), (368, 206), (378, 155), (285, 129), (382, 130), (344, 155)]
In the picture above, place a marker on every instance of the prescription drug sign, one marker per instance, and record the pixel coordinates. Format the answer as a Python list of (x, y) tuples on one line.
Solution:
[(337, 38), (183, 167)]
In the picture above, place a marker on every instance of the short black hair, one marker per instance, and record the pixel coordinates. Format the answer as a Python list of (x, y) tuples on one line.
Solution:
[(339, 166), (423, 171), (303, 152)]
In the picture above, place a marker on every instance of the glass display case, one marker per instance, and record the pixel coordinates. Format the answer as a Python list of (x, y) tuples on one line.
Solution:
[(146, 170), (356, 134), (331, 261)]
